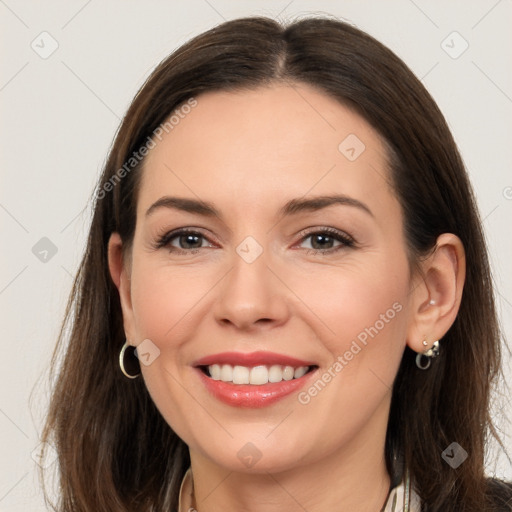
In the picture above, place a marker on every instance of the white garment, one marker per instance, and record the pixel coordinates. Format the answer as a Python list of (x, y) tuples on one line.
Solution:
[(396, 502), (399, 500)]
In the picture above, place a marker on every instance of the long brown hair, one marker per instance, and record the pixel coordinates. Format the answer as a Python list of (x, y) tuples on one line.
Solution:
[(115, 451)]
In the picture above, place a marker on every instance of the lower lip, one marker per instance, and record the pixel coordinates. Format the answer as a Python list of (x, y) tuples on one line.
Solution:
[(249, 395)]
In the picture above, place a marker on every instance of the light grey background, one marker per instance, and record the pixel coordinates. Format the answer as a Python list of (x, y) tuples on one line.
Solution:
[(59, 115)]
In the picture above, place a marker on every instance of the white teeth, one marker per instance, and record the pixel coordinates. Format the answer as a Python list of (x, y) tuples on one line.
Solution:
[(226, 373), (256, 375), (299, 372), (215, 371), (240, 375), (259, 375), (288, 373), (275, 374)]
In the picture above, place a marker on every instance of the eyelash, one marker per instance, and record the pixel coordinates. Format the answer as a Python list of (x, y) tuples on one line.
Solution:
[(346, 240)]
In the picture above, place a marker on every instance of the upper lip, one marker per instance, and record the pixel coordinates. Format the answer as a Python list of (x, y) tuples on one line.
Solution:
[(251, 359)]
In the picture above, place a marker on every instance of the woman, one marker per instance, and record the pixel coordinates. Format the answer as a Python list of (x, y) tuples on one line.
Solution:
[(285, 230)]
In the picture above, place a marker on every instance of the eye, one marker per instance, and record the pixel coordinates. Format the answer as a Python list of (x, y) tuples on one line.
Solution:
[(182, 241), (189, 241), (324, 240)]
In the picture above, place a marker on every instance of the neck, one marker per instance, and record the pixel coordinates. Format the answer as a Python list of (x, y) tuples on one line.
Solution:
[(353, 478)]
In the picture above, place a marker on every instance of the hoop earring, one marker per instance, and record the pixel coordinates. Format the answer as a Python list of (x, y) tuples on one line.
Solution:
[(429, 354), (129, 364)]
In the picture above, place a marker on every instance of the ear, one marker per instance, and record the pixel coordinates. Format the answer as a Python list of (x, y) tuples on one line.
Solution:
[(121, 276), (437, 293)]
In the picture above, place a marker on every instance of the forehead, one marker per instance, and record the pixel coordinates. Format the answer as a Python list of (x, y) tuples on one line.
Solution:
[(252, 147)]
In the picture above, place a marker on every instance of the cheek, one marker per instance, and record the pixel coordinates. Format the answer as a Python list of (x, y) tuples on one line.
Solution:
[(361, 320), (163, 299), (350, 299), (365, 316)]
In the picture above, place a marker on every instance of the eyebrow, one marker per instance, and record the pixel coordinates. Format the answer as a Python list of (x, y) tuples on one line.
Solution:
[(292, 207)]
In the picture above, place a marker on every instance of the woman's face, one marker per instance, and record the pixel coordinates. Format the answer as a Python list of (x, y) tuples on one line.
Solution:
[(275, 271)]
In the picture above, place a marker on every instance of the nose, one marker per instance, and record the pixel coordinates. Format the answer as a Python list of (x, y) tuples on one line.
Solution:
[(251, 296)]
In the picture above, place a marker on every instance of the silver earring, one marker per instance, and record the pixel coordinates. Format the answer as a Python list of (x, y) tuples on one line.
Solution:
[(129, 365), (429, 354)]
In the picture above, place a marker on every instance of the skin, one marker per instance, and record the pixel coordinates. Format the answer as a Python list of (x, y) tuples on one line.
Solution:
[(249, 153)]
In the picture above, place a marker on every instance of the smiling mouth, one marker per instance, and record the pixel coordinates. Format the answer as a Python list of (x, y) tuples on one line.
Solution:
[(255, 375)]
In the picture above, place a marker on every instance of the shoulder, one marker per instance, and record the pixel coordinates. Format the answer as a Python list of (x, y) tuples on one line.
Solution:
[(500, 494)]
